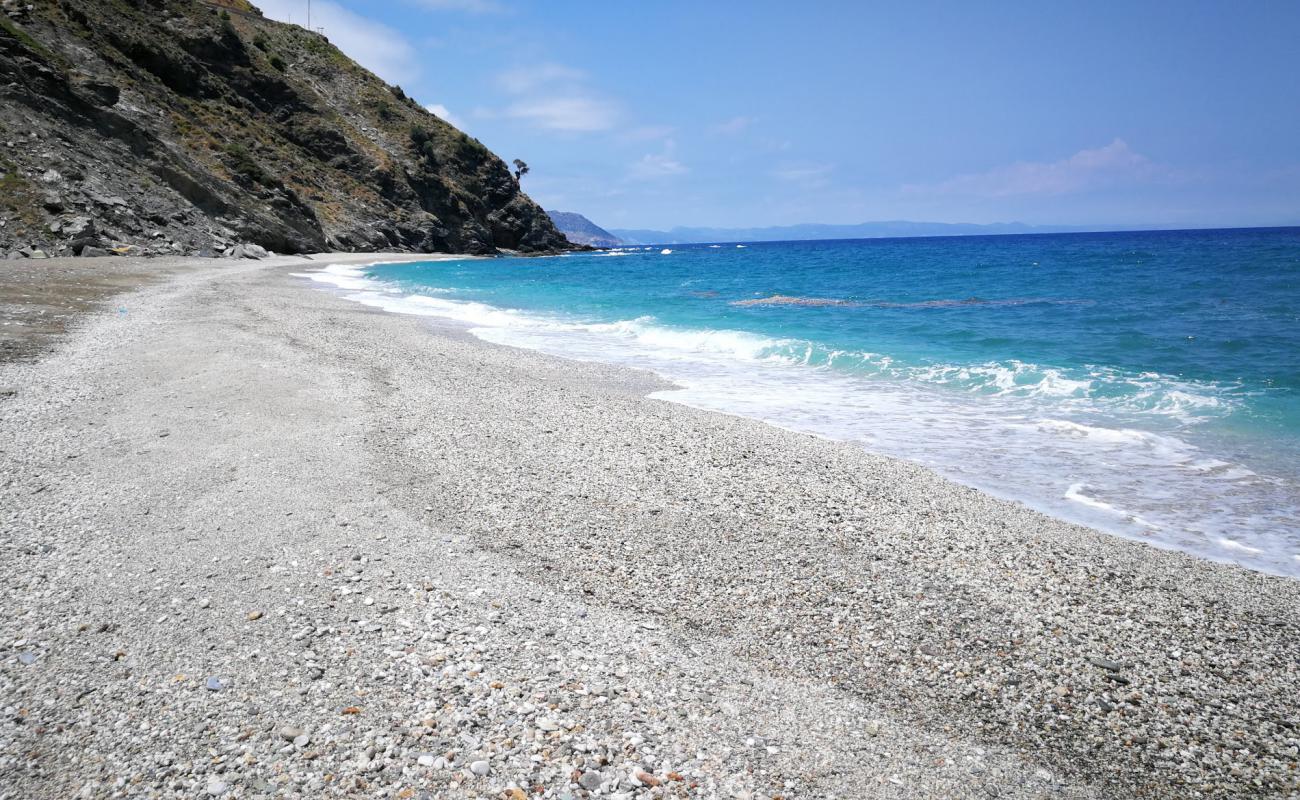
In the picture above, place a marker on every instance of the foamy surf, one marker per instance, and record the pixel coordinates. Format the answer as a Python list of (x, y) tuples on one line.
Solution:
[(1045, 436)]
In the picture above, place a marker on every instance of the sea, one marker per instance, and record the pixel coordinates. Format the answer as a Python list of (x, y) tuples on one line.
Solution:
[(1145, 384)]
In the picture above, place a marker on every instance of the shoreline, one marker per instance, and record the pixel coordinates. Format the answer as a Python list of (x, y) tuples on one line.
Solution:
[(764, 612), (1069, 501)]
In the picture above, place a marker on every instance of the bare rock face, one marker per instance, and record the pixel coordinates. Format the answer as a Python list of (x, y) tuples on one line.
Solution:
[(580, 230), (179, 127)]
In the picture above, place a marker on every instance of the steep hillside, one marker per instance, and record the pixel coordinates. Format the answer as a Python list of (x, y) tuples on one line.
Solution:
[(580, 230), (176, 126)]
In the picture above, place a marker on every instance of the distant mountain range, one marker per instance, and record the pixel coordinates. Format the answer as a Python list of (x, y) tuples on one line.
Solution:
[(580, 230), (864, 230)]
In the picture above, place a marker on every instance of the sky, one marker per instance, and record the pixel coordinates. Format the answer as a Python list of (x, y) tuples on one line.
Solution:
[(730, 114)]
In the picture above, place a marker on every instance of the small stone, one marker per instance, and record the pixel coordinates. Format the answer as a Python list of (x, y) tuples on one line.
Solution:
[(27, 658), (426, 760), (204, 602), (480, 768), (590, 781), (1104, 663), (290, 732), (216, 787), (253, 616), (301, 741), (214, 684), (548, 724)]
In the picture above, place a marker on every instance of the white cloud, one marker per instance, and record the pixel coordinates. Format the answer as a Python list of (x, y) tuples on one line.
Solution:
[(575, 113), (441, 112), (646, 133), (658, 165), (377, 47), (732, 126), (472, 6), (810, 176), (1086, 169), (553, 97), (525, 79)]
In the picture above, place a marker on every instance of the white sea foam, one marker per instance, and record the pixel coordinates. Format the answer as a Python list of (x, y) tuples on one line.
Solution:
[(342, 276), (1229, 544), (1050, 439), (1075, 493)]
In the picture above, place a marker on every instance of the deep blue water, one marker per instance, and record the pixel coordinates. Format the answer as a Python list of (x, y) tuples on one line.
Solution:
[(1144, 383)]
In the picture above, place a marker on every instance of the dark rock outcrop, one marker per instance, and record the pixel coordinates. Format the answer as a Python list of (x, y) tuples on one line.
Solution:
[(176, 126)]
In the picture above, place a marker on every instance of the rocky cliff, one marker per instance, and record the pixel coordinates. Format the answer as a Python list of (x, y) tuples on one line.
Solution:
[(177, 126)]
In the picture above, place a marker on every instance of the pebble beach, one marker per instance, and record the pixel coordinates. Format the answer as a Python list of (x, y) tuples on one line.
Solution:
[(259, 541)]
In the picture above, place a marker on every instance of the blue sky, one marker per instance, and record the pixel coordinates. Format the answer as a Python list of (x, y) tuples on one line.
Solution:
[(655, 114)]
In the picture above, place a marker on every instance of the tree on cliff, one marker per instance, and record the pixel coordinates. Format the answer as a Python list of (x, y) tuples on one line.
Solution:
[(521, 169)]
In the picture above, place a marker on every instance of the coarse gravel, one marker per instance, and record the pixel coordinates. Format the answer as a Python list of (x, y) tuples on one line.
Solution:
[(259, 541)]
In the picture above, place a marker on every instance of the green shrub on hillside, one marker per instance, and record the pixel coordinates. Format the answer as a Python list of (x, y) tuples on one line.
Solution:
[(243, 163)]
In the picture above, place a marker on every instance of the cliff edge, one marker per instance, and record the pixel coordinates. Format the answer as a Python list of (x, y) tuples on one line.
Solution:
[(178, 127)]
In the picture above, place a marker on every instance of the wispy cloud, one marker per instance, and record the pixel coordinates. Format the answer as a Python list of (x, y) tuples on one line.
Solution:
[(555, 97), (664, 164), (575, 113), (732, 126), (645, 133), (525, 79), (375, 46), (810, 176), (443, 113), (1086, 169), (472, 6)]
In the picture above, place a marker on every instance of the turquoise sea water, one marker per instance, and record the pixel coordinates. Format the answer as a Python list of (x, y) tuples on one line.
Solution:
[(1147, 384)]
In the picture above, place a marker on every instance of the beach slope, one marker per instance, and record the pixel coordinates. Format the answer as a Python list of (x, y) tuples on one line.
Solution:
[(261, 541)]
